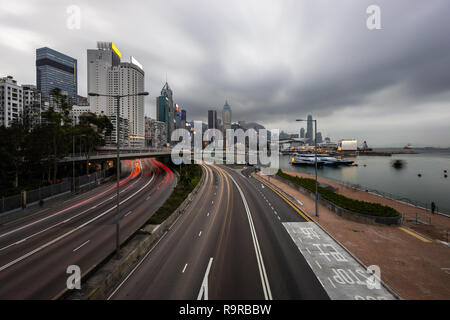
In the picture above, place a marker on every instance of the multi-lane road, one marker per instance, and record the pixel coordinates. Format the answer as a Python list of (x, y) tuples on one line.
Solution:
[(36, 251), (238, 239), (229, 244)]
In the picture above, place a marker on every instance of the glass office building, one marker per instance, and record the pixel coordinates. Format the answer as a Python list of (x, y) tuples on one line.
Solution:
[(56, 70)]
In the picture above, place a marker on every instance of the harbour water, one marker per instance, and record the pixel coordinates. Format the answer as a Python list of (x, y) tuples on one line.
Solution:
[(376, 173)]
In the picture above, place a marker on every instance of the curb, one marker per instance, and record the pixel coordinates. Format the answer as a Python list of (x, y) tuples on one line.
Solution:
[(392, 291)]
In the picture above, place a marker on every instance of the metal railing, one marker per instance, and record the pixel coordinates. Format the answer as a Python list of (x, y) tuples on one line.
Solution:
[(30, 197), (391, 196)]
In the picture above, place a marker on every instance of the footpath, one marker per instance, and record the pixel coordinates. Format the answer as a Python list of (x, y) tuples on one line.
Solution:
[(414, 260)]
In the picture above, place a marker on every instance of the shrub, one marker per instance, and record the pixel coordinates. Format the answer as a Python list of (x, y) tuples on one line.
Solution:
[(363, 207)]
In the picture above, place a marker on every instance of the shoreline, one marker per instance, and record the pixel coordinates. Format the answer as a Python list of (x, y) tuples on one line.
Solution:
[(414, 266), (417, 218)]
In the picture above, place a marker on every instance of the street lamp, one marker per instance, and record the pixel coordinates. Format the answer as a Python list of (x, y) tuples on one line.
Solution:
[(73, 157), (118, 97), (315, 160)]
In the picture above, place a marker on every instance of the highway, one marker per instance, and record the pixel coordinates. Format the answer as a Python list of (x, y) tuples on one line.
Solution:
[(35, 251), (229, 244)]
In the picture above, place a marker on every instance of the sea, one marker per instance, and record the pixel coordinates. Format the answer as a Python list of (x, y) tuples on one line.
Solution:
[(376, 174)]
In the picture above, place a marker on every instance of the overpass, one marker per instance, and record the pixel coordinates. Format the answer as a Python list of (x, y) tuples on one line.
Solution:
[(112, 155)]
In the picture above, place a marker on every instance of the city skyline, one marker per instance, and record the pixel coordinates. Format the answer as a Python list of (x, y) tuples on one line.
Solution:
[(383, 94)]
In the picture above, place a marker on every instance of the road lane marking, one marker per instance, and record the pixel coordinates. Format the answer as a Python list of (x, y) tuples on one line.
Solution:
[(67, 209), (319, 266), (45, 245), (204, 288), (81, 246), (259, 258), (288, 202), (200, 233), (414, 234), (126, 215), (207, 214), (184, 269), (135, 268)]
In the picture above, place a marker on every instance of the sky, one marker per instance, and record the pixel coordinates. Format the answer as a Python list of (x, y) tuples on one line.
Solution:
[(274, 61)]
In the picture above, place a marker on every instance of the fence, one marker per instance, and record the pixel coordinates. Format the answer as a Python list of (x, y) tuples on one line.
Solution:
[(387, 195), (31, 197)]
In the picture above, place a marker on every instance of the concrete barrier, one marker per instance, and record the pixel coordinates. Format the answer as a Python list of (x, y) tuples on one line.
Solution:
[(100, 280), (356, 216)]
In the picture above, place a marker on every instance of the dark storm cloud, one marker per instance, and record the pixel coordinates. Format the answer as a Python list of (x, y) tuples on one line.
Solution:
[(273, 60)]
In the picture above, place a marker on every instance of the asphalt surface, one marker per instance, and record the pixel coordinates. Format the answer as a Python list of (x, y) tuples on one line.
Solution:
[(36, 251), (229, 244)]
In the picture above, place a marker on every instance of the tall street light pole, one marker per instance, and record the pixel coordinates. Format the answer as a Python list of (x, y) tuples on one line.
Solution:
[(315, 162), (117, 98)]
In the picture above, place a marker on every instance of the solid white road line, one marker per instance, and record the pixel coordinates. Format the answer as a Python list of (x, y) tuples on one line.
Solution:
[(259, 258), (81, 246), (204, 288), (6, 266), (137, 266), (64, 221)]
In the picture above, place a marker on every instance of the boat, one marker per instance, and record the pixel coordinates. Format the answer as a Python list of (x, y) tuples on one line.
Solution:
[(322, 160), (408, 146), (305, 160)]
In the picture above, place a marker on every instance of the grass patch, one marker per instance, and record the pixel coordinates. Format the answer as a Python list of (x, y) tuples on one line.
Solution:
[(363, 207), (189, 177)]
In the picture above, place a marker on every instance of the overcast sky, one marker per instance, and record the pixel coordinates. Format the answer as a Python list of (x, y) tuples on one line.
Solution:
[(274, 61)]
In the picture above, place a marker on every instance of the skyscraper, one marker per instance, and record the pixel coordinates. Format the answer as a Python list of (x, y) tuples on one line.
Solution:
[(99, 64), (212, 119), (309, 129), (302, 132), (164, 109), (226, 116), (56, 70), (128, 79)]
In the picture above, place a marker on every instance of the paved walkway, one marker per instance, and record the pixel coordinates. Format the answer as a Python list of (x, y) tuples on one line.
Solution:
[(413, 266)]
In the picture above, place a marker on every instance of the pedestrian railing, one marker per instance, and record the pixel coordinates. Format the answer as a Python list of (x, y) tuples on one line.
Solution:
[(30, 197)]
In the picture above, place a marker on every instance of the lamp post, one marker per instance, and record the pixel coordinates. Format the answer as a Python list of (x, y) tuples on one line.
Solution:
[(73, 157), (315, 161), (117, 97)]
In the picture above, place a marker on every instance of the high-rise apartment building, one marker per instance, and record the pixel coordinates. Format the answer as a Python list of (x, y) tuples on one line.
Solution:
[(107, 75), (99, 64), (11, 101), (56, 70), (32, 106), (128, 79), (155, 133)]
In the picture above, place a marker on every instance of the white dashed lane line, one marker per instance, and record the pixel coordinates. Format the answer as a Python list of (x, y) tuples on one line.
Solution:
[(184, 269)]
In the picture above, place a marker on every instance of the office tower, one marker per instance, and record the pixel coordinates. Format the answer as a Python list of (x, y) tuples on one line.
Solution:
[(226, 116), (11, 101), (99, 64), (56, 70), (127, 78), (319, 137), (183, 119), (212, 119), (32, 106), (302, 132), (164, 109), (309, 129)]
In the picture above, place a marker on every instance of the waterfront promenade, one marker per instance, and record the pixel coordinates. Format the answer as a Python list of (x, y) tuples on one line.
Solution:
[(413, 263)]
